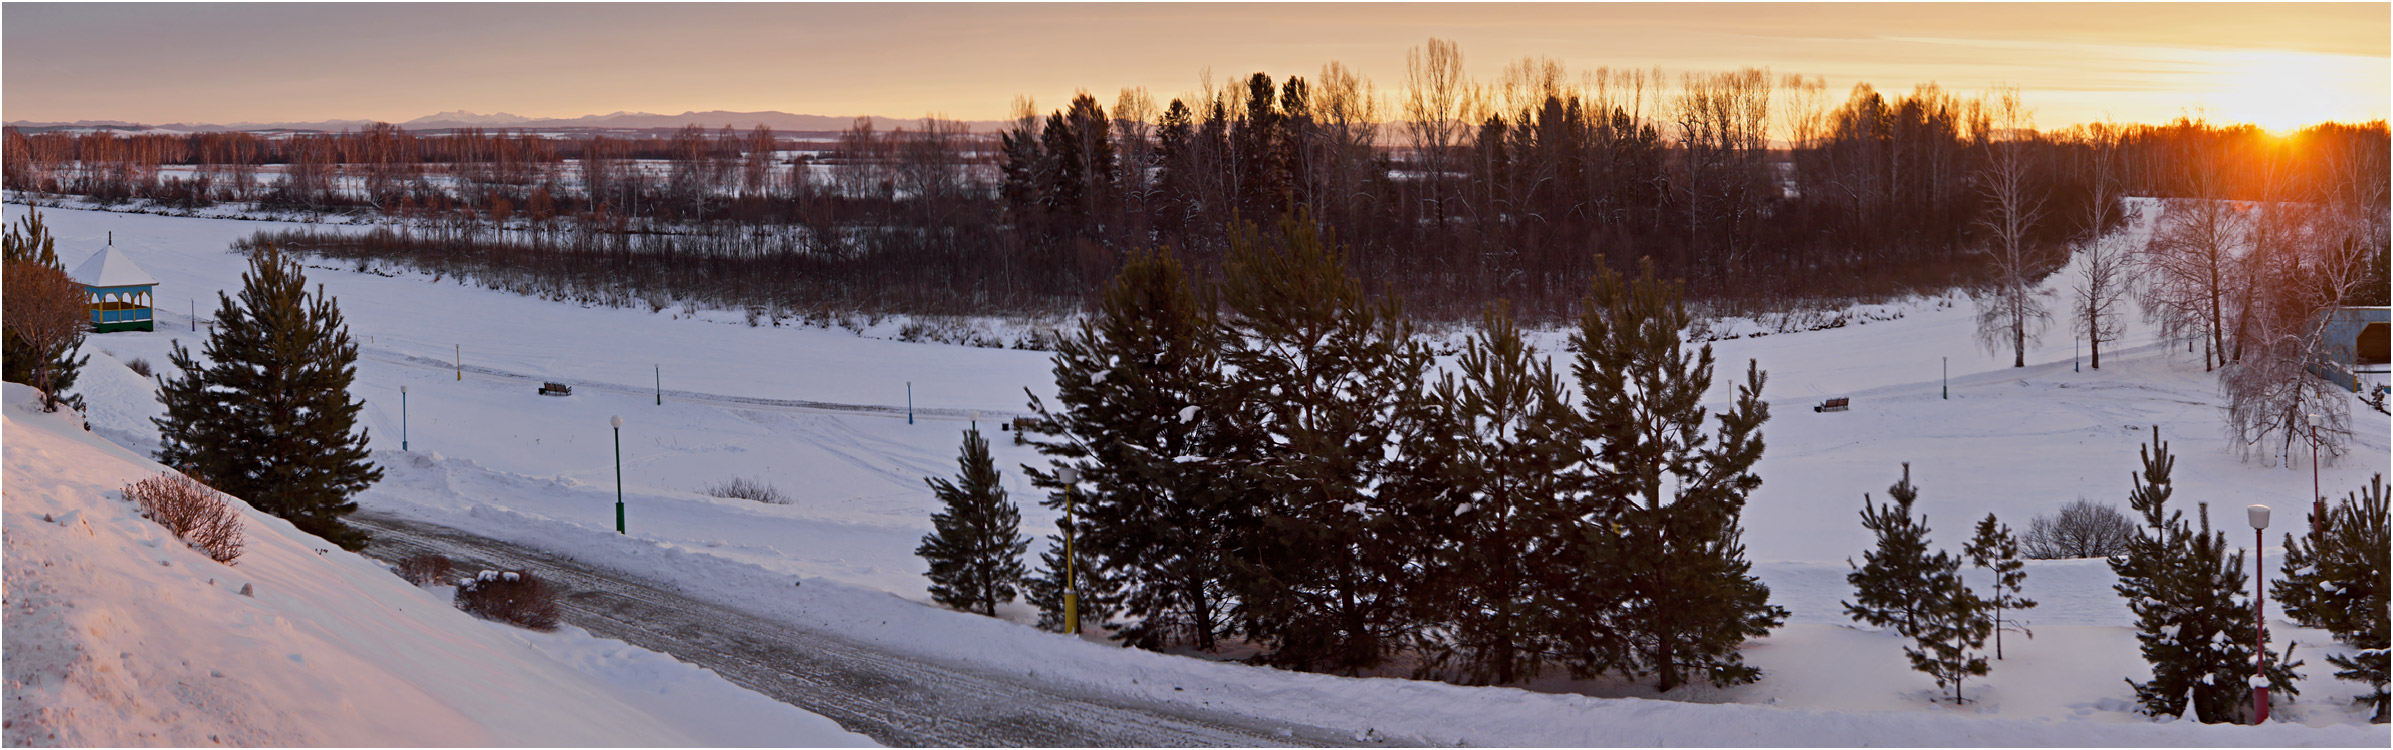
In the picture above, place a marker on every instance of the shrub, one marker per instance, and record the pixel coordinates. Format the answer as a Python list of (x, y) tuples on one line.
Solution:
[(747, 489), (2083, 529), (192, 511), (515, 597), (424, 570), (140, 367)]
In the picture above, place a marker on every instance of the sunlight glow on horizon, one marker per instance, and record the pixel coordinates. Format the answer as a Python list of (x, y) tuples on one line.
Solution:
[(2277, 66)]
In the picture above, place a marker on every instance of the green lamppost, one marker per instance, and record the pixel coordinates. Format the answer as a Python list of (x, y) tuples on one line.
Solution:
[(402, 417), (1069, 476), (618, 423)]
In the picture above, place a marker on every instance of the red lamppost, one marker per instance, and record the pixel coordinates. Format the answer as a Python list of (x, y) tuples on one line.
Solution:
[(2258, 515)]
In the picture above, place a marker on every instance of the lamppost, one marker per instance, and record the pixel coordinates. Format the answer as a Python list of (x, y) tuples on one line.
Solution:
[(618, 423), (2318, 501), (1070, 475), (402, 417), (2258, 515)]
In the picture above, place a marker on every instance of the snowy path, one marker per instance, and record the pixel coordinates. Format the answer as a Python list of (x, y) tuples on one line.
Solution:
[(895, 699)]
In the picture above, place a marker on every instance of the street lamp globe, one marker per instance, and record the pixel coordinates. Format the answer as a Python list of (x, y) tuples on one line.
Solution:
[(2258, 515), (617, 421), (1067, 474)]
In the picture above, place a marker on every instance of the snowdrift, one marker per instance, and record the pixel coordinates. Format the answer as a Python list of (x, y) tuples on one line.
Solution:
[(119, 634)]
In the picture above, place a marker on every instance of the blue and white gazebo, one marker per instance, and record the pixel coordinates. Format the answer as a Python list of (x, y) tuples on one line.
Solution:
[(120, 291)]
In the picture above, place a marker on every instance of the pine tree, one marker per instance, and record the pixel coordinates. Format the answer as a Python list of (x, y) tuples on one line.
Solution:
[(1996, 550), (1668, 565), (2193, 626), (1325, 381), (1898, 580), (2336, 579), (1952, 627), (30, 241), (975, 547), (1496, 457), (1136, 386), (268, 416)]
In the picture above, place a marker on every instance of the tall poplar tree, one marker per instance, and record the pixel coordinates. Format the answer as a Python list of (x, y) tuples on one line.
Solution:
[(267, 415)]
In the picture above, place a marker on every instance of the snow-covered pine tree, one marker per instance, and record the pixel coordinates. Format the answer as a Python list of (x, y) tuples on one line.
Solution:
[(976, 544), (2336, 580), (1898, 579), (1325, 382), (1495, 458), (1673, 596), (30, 241), (2192, 624), (1135, 388), (268, 417), (1996, 550), (1950, 637)]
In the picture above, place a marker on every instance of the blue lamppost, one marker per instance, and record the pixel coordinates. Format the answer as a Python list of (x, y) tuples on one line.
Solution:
[(618, 423), (402, 417)]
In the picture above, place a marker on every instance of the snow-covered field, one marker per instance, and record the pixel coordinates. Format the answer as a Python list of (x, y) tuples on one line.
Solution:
[(487, 454), (119, 634)]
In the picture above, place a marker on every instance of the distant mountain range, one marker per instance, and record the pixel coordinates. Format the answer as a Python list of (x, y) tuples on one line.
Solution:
[(781, 121)]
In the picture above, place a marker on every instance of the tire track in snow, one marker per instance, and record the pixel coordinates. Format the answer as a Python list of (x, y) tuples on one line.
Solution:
[(895, 699)]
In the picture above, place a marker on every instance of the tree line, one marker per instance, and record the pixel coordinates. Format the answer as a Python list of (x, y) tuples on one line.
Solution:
[(1754, 189)]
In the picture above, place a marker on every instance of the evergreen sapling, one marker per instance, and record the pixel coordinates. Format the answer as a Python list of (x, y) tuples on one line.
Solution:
[(975, 546)]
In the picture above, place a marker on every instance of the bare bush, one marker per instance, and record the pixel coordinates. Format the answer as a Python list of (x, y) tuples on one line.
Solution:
[(747, 489), (2082, 529), (515, 597), (425, 570), (140, 367), (191, 510)]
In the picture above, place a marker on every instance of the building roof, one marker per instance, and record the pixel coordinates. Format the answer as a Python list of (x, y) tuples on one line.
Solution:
[(110, 267)]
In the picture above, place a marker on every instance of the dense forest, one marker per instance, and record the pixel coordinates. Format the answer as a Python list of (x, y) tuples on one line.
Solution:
[(1757, 191)]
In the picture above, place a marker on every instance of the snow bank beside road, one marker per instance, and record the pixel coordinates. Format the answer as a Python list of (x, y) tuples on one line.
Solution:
[(118, 634)]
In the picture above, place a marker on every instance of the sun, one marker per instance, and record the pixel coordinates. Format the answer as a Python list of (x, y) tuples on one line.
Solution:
[(2286, 91)]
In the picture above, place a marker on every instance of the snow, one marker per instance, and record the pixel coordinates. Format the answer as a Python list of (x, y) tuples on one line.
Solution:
[(119, 634), (489, 455), (109, 268)]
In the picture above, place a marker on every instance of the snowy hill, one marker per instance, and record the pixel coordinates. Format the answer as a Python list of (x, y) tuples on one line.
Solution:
[(118, 634), (488, 454)]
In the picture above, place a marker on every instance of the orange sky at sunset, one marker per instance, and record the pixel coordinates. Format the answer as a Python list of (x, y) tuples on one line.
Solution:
[(2278, 65)]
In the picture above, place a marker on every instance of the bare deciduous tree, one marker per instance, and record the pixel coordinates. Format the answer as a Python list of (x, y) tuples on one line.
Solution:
[(2082, 529), (2011, 312), (2102, 269), (1436, 98), (49, 313)]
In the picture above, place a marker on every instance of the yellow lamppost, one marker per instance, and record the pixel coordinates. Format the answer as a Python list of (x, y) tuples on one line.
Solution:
[(1069, 476)]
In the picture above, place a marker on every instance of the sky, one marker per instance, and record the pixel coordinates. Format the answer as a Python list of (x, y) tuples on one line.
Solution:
[(2278, 65)]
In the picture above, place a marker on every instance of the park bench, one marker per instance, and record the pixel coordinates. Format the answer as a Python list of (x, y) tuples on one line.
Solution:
[(1839, 403), (555, 389)]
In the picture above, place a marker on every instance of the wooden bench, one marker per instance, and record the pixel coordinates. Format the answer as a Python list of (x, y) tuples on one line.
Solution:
[(555, 389), (1020, 427), (1839, 403)]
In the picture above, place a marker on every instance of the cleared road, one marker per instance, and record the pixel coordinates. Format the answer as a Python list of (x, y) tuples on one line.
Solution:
[(893, 698)]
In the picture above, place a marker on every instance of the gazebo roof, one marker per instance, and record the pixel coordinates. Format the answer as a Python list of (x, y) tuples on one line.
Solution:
[(110, 267)]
